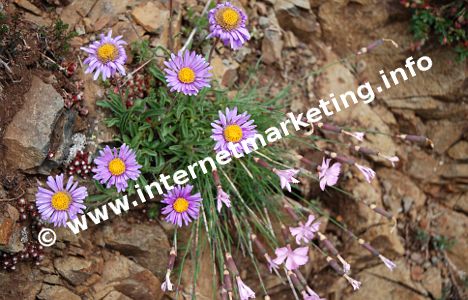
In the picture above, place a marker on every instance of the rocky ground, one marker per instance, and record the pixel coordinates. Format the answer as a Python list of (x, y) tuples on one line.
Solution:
[(42, 110)]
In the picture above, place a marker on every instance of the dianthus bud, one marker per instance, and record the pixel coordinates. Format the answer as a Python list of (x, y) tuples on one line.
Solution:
[(258, 244), (285, 233), (216, 178), (417, 139), (327, 244), (172, 257), (262, 163), (227, 280), (381, 211), (334, 264), (329, 127), (291, 212), (231, 265)]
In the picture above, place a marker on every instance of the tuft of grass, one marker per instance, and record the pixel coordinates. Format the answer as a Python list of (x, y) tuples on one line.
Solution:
[(171, 131)]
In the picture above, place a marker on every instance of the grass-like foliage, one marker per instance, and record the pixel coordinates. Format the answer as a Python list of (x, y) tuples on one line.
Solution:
[(171, 131)]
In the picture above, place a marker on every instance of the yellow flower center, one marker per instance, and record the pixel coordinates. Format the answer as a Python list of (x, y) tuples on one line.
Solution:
[(228, 18), (61, 201), (107, 52), (233, 133), (186, 75), (116, 167), (180, 205)]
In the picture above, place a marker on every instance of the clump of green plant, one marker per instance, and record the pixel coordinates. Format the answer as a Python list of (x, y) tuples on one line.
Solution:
[(249, 205), (443, 22), (442, 243), (170, 131), (438, 242), (63, 35), (55, 40)]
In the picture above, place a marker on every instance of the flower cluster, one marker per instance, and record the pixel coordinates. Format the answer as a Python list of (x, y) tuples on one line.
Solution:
[(232, 130)]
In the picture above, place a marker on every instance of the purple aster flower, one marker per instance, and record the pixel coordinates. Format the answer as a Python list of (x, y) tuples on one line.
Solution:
[(368, 173), (187, 73), (115, 168), (328, 175), (227, 22), (232, 129), (106, 56), (222, 198), (305, 232), (245, 292), (287, 177), (294, 258), (57, 204), (181, 205)]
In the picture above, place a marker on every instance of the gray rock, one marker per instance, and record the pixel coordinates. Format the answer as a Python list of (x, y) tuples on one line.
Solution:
[(263, 22), (55, 292), (444, 134), (459, 150), (225, 71), (152, 16), (124, 279), (297, 17), (398, 187), (451, 171), (459, 202), (74, 269), (407, 204), (10, 230), (148, 244), (28, 6), (27, 138), (422, 166), (272, 46), (453, 225), (25, 283), (60, 142), (432, 282)]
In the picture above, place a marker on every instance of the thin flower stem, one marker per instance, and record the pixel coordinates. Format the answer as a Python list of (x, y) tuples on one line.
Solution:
[(182, 263), (246, 169), (194, 30), (291, 285), (171, 14), (274, 161), (195, 254), (175, 239), (270, 226), (241, 198), (212, 50), (206, 224), (130, 75)]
